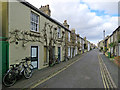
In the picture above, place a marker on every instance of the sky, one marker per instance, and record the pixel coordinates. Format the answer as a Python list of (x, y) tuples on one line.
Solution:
[(88, 17)]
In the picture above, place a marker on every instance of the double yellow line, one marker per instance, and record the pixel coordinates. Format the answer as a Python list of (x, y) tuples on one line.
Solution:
[(106, 77)]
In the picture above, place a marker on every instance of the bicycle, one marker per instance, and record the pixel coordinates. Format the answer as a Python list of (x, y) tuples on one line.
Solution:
[(16, 71), (27, 68), (27, 59), (11, 76)]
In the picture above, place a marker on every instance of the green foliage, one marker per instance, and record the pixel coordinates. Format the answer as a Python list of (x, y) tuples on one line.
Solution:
[(106, 49), (119, 41), (85, 45), (112, 44), (90, 48), (112, 57), (78, 42)]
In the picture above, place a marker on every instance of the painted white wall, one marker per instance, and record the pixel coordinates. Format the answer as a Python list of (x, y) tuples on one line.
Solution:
[(88, 47), (22, 22), (71, 51)]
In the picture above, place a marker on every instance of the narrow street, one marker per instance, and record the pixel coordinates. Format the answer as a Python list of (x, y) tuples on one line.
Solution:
[(85, 73), (59, 44)]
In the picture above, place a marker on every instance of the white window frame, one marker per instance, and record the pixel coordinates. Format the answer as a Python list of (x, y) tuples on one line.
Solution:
[(68, 51), (71, 52), (59, 32), (80, 41), (69, 36), (76, 50), (34, 22)]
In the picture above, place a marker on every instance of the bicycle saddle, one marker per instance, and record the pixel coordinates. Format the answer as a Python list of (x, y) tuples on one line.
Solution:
[(12, 65)]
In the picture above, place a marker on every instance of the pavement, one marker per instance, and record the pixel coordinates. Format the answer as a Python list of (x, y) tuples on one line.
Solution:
[(39, 75), (113, 69)]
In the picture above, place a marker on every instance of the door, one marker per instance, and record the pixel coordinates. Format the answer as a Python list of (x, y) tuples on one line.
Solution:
[(34, 56), (53, 52), (59, 54), (45, 54), (71, 52), (4, 60)]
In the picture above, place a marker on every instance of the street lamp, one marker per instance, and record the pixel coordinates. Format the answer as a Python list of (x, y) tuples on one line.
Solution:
[(104, 41)]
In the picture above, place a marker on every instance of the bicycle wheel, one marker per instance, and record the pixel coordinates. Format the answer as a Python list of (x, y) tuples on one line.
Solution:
[(9, 79), (27, 73)]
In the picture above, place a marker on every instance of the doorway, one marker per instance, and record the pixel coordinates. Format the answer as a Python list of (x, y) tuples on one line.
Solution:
[(4, 60), (59, 54), (34, 56)]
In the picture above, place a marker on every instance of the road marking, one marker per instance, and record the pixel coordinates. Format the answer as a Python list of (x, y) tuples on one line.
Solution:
[(110, 78), (102, 73), (106, 77), (54, 74)]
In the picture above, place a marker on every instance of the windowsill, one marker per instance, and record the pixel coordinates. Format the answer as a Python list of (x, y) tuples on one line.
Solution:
[(68, 40), (59, 37), (60, 40), (35, 31)]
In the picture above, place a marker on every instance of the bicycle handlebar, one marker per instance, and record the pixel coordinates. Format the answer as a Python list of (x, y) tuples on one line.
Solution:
[(27, 59), (14, 65)]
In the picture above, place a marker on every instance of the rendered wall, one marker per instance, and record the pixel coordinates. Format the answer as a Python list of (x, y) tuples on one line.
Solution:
[(19, 19)]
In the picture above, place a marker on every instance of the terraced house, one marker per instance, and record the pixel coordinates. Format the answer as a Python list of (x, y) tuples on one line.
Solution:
[(31, 32), (116, 42), (111, 44)]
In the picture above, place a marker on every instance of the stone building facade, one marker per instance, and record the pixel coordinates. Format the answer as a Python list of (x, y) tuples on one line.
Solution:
[(112, 43)]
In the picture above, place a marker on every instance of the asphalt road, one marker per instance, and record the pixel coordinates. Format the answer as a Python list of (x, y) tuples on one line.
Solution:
[(85, 73)]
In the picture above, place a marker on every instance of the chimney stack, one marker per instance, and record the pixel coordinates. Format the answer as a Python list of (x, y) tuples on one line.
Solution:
[(46, 9), (73, 30), (65, 24)]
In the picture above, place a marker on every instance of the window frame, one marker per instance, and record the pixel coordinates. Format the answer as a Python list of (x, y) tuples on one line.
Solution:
[(59, 32), (34, 22), (68, 51), (76, 39), (69, 36)]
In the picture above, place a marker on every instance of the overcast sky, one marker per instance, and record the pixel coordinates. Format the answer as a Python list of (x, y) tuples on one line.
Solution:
[(88, 17)]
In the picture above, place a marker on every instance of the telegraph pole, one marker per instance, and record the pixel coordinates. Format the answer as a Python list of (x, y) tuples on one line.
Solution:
[(104, 42)]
